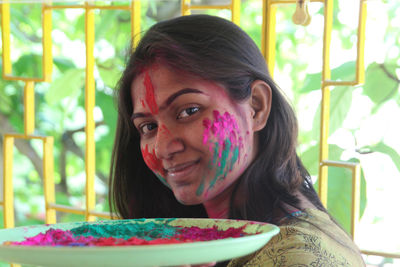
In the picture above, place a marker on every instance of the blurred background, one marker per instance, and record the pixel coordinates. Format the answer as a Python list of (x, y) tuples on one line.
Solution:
[(364, 120)]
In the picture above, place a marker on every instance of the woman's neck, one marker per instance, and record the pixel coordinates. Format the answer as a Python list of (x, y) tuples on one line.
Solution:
[(218, 207)]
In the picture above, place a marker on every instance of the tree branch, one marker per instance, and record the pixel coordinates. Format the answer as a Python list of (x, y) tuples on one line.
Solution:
[(23, 146), (387, 72)]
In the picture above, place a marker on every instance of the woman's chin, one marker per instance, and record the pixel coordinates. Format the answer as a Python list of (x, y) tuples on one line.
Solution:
[(187, 197)]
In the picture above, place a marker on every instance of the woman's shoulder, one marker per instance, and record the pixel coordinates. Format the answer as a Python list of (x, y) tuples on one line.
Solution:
[(310, 239)]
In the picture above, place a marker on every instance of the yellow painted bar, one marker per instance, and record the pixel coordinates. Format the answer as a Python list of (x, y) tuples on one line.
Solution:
[(67, 209), (339, 83), (268, 34), (292, 1), (185, 7), (105, 215), (89, 107), (325, 102), (235, 9), (29, 108), (234, 6), (23, 79), (5, 37), (355, 200), (8, 193), (90, 7), (27, 137), (382, 254), (48, 178), (203, 7), (362, 19), (47, 43), (135, 22), (339, 164)]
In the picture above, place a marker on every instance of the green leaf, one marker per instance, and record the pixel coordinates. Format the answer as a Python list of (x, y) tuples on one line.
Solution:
[(69, 84), (385, 149), (310, 157), (344, 72), (108, 108), (28, 65), (339, 194), (341, 98), (109, 73), (63, 64), (108, 20), (340, 103), (378, 85)]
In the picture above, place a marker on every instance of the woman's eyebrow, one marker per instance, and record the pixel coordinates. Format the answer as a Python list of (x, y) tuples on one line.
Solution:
[(175, 95), (169, 101)]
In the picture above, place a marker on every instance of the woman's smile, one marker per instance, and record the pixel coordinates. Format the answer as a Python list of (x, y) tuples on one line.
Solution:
[(178, 172)]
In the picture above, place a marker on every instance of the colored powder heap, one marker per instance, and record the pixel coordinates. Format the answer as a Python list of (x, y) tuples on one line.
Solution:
[(127, 235), (147, 231)]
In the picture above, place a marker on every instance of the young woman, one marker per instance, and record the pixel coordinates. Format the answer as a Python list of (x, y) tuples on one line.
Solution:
[(203, 131)]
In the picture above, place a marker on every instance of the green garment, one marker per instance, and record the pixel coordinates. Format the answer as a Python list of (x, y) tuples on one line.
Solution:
[(300, 243)]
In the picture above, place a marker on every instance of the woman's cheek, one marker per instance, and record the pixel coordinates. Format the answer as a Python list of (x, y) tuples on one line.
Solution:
[(222, 137), (154, 163)]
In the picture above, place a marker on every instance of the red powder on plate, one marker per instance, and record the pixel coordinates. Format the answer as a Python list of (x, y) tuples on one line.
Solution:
[(57, 237)]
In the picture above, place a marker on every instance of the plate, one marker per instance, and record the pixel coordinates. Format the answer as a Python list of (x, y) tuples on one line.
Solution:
[(256, 236)]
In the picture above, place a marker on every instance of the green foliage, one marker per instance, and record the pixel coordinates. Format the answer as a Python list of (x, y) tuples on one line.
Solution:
[(345, 72), (385, 149), (380, 85), (68, 85)]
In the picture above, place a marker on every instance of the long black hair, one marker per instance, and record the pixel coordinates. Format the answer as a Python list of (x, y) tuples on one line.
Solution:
[(217, 50)]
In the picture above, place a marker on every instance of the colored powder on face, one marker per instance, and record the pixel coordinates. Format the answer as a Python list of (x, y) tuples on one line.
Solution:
[(122, 234), (164, 129), (227, 145), (153, 162), (150, 96), (162, 179), (200, 189)]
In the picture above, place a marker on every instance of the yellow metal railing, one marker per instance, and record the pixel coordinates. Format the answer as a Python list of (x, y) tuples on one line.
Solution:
[(301, 17), (29, 104), (268, 50), (234, 7)]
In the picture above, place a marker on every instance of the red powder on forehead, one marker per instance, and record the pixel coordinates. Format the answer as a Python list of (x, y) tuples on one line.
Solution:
[(150, 96), (152, 161)]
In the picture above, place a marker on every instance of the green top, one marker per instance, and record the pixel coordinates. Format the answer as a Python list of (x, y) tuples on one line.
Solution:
[(300, 243)]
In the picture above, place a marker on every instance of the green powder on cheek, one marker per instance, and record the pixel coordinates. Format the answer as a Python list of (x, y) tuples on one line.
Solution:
[(221, 163), (234, 158), (162, 179), (146, 231)]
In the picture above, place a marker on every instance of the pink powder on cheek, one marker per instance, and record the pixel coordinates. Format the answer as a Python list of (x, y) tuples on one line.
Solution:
[(150, 96), (222, 127)]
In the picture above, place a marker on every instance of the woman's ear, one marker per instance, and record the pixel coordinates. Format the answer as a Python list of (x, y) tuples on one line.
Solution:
[(261, 98)]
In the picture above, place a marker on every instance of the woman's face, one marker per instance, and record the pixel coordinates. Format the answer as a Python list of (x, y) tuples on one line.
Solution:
[(193, 136)]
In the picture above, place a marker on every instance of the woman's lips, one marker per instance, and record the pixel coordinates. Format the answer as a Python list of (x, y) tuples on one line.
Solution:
[(181, 171)]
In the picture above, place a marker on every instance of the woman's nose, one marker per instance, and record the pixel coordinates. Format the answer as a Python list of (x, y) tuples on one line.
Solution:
[(167, 143)]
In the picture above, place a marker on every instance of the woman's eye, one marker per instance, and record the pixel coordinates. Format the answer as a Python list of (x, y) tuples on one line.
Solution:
[(148, 127), (188, 112)]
